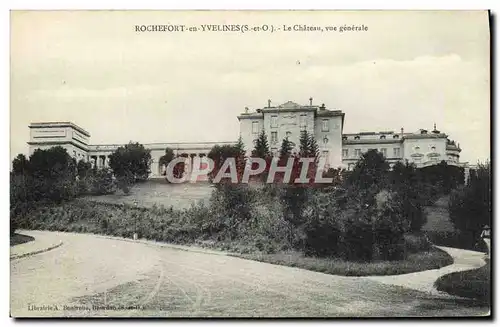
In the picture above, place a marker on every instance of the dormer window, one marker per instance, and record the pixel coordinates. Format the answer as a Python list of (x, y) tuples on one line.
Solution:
[(344, 138), (433, 148), (356, 137), (396, 136), (382, 137)]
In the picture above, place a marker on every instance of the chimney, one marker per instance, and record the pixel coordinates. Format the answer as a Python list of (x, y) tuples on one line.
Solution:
[(402, 131), (310, 101), (246, 110), (269, 103)]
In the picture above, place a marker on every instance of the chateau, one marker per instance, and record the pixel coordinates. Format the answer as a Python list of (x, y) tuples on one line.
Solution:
[(423, 147)]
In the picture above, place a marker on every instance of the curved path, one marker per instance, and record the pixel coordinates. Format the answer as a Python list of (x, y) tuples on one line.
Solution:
[(98, 276), (424, 280)]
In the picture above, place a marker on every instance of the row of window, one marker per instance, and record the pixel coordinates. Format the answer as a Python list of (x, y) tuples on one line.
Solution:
[(382, 137), (357, 152), (325, 124)]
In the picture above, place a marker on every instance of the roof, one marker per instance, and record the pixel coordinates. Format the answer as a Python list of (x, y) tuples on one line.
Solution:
[(59, 124)]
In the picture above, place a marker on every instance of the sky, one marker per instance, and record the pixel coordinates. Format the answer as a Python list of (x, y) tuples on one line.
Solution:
[(409, 70)]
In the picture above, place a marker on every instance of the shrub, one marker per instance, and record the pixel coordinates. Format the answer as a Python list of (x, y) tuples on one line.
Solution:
[(470, 206)]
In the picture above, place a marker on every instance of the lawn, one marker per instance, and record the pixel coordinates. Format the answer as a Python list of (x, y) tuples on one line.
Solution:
[(414, 262), (159, 192), (438, 217), (471, 283)]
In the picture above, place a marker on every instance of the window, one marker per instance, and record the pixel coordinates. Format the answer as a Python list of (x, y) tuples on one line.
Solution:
[(303, 122), (274, 121), (356, 137), (288, 134), (345, 153), (325, 125), (325, 140), (433, 148), (384, 152), (395, 136), (344, 138), (274, 137), (357, 152), (382, 137), (255, 127), (396, 152), (417, 148), (325, 154)]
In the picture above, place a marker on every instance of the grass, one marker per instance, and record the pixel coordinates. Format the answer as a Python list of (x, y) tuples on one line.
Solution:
[(17, 239), (159, 192), (432, 259), (471, 283), (438, 217)]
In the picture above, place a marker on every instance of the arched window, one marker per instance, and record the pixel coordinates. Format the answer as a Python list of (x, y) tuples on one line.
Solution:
[(356, 137), (382, 137), (325, 140)]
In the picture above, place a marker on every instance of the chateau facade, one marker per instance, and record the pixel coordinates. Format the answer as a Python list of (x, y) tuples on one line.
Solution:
[(423, 147)]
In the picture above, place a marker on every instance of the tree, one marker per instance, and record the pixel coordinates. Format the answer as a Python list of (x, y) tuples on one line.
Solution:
[(131, 162), (54, 174), (285, 150), (20, 165), (167, 157), (370, 172), (261, 149), (411, 193), (470, 206), (219, 154), (83, 168)]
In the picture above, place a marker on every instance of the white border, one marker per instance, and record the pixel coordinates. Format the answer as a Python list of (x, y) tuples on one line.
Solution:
[(189, 4)]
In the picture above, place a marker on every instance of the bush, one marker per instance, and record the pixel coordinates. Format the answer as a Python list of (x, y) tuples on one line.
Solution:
[(470, 206)]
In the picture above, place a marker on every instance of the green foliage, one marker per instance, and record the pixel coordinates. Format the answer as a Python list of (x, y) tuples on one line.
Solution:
[(131, 162), (219, 154), (261, 149), (470, 206), (404, 180), (20, 165), (371, 170), (285, 150), (167, 157)]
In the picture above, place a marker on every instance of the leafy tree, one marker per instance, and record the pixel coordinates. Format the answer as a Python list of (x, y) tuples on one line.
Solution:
[(167, 157), (20, 165), (131, 162), (405, 181), (219, 154), (370, 172), (54, 174), (83, 168), (470, 206)]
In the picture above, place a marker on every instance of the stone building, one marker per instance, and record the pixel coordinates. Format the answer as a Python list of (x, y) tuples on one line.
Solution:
[(339, 149)]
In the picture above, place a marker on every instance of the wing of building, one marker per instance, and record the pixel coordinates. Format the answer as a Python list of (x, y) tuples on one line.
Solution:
[(422, 147)]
